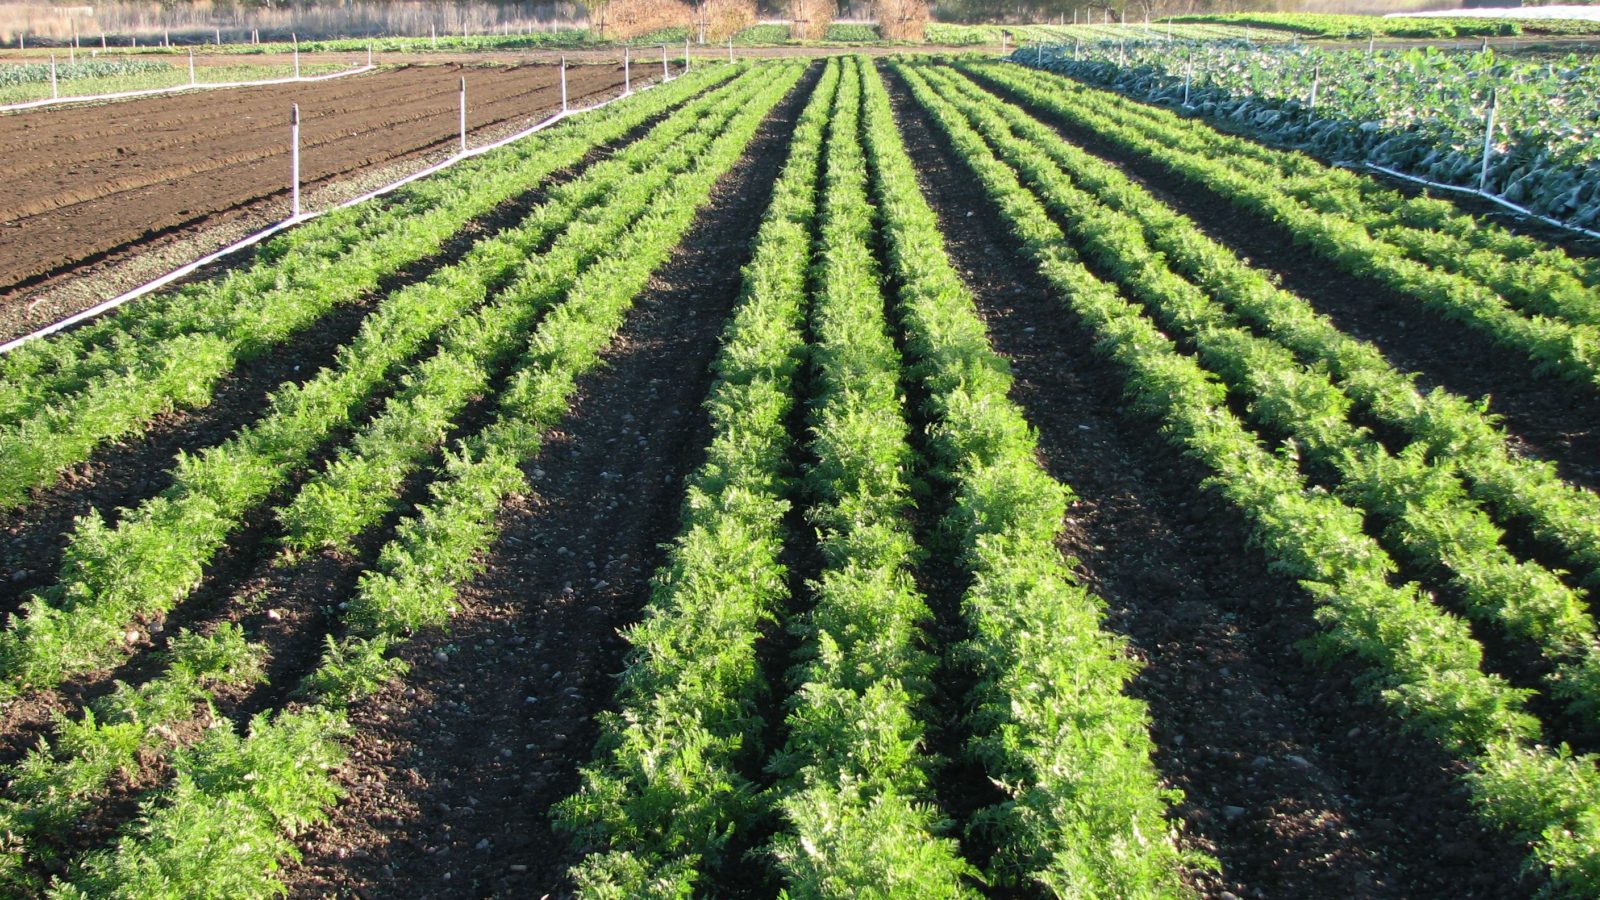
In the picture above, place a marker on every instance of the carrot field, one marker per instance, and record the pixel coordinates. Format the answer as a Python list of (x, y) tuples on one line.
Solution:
[(905, 476)]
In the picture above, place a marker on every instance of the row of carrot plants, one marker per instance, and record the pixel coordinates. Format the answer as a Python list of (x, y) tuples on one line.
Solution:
[(1528, 272), (673, 781), (360, 486), (72, 393), (1455, 430), (156, 553), (853, 785), (225, 799), (1424, 664), (1556, 345), (1431, 518), (53, 784), (675, 791), (1049, 720)]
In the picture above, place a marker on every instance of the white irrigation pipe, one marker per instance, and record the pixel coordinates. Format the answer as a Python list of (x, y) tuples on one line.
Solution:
[(260, 236), (35, 104), (1494, 198)]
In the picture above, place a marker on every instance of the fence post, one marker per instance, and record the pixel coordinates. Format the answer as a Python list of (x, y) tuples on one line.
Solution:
[(294, 160), (296, 54), (191, 67), (55, 91), (1488, 138), (72, 55), (686, 54), (1188, 75), (166, 38), (1316, 82), (219, 36), (463, 114), (369, 54), (1372, 43), (433, 32), (563, 84), (102, 40), (665, 74), (627, 71)]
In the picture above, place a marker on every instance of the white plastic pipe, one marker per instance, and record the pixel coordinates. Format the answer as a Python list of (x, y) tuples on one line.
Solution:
[(563, 85), (463, 114), (55, 90), (627, 72)]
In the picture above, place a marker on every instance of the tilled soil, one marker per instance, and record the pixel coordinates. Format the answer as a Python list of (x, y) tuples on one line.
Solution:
[(454, 771), (90, 183), (1297, 788), (1549, 418)]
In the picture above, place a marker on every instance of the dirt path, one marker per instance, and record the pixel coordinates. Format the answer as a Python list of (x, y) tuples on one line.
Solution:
[(91, 183), (454, 772), (1296, 789)]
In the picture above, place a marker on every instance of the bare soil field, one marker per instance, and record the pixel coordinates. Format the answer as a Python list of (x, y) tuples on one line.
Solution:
[(87, 183)]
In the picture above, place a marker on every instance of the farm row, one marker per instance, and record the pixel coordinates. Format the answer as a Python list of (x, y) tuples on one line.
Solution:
[(933, 605)]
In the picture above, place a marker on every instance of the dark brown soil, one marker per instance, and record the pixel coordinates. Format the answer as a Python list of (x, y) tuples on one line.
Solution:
[(1548, 418), (92, 183), (1297, 788), (454, 772)]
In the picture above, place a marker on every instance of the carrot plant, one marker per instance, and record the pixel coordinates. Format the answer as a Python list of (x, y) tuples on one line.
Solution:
[(1424, 665), (1432, 519), (853, 788), (361, 485), (227, 798), (676, 774), (1050, 721), (1456, 430), (74, 393)]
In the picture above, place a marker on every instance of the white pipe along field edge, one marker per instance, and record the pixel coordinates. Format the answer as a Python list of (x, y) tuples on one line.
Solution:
[(262, 235), (1474, 192), (200, 86)]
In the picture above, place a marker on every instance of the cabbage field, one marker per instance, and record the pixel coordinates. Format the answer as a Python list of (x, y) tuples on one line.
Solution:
[(1423, 111), (897, 477)]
